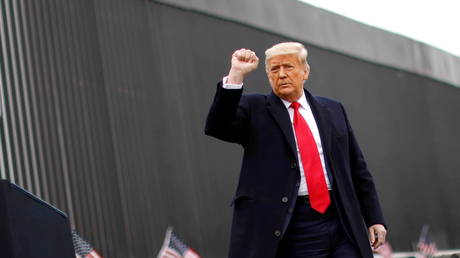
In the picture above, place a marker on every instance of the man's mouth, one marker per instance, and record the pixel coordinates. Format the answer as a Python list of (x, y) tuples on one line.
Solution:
[(284, 84)]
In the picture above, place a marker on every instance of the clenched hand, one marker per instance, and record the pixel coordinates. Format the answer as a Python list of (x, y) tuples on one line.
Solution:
[(377, 234), (244, 61)]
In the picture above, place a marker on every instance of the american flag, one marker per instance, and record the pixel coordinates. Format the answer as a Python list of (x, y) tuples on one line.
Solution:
[(82, 248), (426, 246), (174, 247)]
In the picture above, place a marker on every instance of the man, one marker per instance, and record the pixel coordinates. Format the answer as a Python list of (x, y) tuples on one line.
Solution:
[(304, 187)]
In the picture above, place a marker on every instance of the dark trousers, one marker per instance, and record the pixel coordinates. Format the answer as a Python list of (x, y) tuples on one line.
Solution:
[(312, 234)]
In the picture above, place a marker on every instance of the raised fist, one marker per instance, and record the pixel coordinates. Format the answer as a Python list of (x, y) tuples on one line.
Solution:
[(244, 61)]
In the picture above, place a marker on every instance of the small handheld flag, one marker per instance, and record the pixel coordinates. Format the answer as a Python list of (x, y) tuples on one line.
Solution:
[(174, 247), (82, 248)]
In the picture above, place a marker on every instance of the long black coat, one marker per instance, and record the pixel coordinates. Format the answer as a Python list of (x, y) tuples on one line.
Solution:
[(269, 178)]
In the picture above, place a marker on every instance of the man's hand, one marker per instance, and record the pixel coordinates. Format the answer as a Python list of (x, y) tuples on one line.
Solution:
[(377, 234), (244, 61)]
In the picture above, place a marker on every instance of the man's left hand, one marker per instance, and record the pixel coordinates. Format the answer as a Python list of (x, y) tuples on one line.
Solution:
[(377, 234)]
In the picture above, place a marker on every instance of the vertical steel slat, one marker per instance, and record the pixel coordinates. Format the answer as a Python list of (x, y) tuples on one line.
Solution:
[(44, 90), (88, 126), (28, 96), (124, 241), (60, 119), (21, 102), (3, 145), (33, 61), (87, 170), (69, 117), (11, 129), (6, 82)]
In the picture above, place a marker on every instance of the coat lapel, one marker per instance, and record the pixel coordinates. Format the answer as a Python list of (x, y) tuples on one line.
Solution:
[(281, 116), (320, 112), (323, 121)]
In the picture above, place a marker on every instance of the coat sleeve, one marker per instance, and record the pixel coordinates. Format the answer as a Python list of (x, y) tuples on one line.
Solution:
[(228, 116), (363, 182)]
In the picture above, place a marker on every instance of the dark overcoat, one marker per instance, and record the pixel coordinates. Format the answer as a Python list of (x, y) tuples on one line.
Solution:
[(269, 177)]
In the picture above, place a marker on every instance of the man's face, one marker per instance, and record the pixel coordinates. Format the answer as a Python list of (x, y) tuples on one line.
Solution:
[(286, 75)]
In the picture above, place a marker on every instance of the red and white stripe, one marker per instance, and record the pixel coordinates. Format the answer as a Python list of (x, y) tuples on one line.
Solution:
[(169, 253)]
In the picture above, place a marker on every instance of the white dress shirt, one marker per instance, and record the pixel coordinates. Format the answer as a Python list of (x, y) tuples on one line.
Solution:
[(307, 114)]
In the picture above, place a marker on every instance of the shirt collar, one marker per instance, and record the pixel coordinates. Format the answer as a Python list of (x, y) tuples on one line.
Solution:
[(302, 101)]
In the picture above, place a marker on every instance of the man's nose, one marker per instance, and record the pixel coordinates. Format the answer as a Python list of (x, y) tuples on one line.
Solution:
[(282, 73)]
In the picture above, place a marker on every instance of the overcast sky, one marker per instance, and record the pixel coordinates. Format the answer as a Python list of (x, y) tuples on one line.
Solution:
[(436, 23)]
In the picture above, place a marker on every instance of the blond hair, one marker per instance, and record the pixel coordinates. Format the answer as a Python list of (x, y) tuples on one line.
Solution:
[(287, 48)]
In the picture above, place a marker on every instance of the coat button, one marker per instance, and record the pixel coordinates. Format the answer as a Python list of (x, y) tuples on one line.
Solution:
[(277, 233), (284, 199), (291, 210), (293, 165), (297, 184)]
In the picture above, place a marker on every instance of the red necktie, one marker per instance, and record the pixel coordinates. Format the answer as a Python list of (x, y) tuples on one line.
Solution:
[(313, 170)]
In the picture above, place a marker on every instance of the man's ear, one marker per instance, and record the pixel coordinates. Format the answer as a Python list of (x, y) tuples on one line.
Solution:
[(307, 72)]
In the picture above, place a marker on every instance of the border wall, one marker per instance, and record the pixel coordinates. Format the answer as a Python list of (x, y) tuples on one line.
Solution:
[(103, 104)]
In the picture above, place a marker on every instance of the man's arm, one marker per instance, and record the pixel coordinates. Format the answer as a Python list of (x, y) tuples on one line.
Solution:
[(366, 192), (228, 116)]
